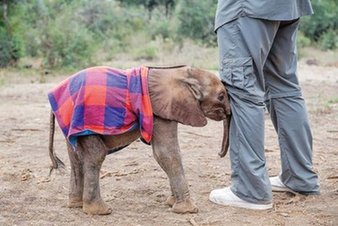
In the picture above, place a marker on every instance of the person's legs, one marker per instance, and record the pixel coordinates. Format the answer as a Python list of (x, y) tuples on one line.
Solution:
[(288, 112), (295, 140), (244, 45)]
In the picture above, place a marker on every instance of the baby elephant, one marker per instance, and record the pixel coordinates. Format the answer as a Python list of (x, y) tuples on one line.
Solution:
[(101, 110)]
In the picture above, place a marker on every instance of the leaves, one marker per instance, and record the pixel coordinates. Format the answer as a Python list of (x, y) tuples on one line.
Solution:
[(67, 33)]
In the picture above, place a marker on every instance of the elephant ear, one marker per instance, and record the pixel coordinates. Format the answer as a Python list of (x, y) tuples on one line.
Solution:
[(175, 94)]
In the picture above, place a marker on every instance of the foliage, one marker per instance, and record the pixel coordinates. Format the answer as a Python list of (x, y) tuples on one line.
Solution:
[(84, 32), (322, 25), (162, 28), (10, 44), (196, 20), (73, 37), (10, 48), (150, 5), (302, 40), (148, 52), (58, 38), (329, 40)]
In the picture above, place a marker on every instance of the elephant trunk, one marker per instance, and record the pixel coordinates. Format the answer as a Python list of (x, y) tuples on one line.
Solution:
[(225, 142), (226, 128)]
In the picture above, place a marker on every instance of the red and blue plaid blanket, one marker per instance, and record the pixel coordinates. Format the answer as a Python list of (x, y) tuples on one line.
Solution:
[(103, 100)]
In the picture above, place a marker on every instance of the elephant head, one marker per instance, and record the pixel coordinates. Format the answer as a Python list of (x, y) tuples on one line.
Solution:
[(189, 96)]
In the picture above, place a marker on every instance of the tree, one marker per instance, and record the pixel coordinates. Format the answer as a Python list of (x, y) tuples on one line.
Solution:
[(322, 27), (196, 19), (9, 46), (150, 5)]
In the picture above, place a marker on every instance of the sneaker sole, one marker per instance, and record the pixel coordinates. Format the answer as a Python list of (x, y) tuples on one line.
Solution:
[(245, 205), (282, 189)]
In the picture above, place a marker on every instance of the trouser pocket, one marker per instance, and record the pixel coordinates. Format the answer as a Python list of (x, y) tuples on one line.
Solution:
[(238, 73)]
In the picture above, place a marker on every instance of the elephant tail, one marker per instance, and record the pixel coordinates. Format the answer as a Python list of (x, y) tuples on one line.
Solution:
[(56, 162)]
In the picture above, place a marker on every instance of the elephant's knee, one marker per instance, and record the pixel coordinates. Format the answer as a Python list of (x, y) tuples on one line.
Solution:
[(92, 149), (160, 153)]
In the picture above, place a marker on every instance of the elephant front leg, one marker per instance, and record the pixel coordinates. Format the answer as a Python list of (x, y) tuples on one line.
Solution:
[(167, 153), (171, 199), (93, 152), (76, 179)]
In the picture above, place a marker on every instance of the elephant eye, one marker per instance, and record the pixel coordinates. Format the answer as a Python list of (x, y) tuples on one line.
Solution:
[(221, 97)]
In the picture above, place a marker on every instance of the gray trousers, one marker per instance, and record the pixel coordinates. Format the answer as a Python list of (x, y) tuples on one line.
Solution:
[(258, 64)]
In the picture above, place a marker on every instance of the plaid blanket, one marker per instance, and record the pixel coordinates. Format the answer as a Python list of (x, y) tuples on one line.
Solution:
[(103, 100)]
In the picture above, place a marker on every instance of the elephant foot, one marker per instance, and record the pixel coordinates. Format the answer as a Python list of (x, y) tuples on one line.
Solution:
[(96, 208), (186, 206), (170, 200), (75, 203)]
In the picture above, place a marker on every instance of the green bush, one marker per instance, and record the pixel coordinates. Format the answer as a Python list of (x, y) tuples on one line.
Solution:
[(65, 42), (161, 28), (148, 52), (71, 46), (329, 40), (10, 48), (302, 40), (74, 33), (83, 32), (196, 20), (324, 20)]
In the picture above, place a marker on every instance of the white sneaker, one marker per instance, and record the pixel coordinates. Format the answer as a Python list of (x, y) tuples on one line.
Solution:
[(226, 197), (277, 185)]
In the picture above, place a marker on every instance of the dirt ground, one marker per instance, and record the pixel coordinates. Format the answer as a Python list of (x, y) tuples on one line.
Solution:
[(135, 186)]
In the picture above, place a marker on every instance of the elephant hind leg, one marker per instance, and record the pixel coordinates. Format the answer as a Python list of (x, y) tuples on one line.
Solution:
[(93, 151), (76, 178)]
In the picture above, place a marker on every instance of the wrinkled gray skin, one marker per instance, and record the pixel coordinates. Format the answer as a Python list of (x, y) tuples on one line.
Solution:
[(178, 94)]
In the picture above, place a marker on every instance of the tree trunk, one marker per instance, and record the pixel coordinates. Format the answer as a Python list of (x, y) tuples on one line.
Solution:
[(5, 16), (4, 5)]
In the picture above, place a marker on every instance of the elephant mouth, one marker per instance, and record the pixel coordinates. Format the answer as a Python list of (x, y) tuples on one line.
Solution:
[(216, 114)]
